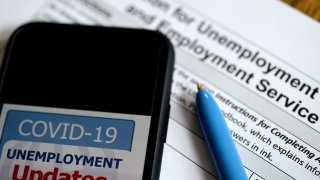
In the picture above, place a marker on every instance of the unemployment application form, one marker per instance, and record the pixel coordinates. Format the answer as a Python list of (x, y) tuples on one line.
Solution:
[(260, 60)]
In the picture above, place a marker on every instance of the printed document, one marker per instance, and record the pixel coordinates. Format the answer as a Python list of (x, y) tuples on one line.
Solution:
[(260, 60)]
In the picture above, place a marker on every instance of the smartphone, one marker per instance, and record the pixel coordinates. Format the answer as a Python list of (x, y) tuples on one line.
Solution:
[(84, 102)]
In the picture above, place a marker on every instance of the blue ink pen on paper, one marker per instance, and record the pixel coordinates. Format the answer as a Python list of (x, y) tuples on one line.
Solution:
[(221, 147)]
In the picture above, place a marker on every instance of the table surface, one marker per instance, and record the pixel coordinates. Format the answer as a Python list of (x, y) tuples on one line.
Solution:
[(308, 7)]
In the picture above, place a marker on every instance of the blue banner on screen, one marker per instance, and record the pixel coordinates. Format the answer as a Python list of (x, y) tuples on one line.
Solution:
[(68, 130)]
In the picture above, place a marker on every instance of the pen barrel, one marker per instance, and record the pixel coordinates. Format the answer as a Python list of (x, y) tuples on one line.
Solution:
[(221, 146)]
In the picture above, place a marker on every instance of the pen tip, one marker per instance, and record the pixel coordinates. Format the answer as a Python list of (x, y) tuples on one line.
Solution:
[(199, 86)]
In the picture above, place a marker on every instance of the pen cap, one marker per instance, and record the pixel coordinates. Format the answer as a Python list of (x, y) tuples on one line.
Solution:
[(219, 141)]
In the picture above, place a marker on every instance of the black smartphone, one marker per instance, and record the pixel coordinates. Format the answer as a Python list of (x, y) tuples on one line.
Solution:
[(84, 102)]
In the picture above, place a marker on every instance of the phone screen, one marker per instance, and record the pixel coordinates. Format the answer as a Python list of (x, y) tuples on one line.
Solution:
[(77, 106), (39, 142)]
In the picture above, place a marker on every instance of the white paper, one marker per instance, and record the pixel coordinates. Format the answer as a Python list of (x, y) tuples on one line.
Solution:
[(260, 59)]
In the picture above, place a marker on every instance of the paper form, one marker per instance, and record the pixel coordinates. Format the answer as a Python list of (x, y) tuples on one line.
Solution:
[(259, 59)]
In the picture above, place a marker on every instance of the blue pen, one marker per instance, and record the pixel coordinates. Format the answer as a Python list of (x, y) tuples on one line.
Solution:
[(222, 149)]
